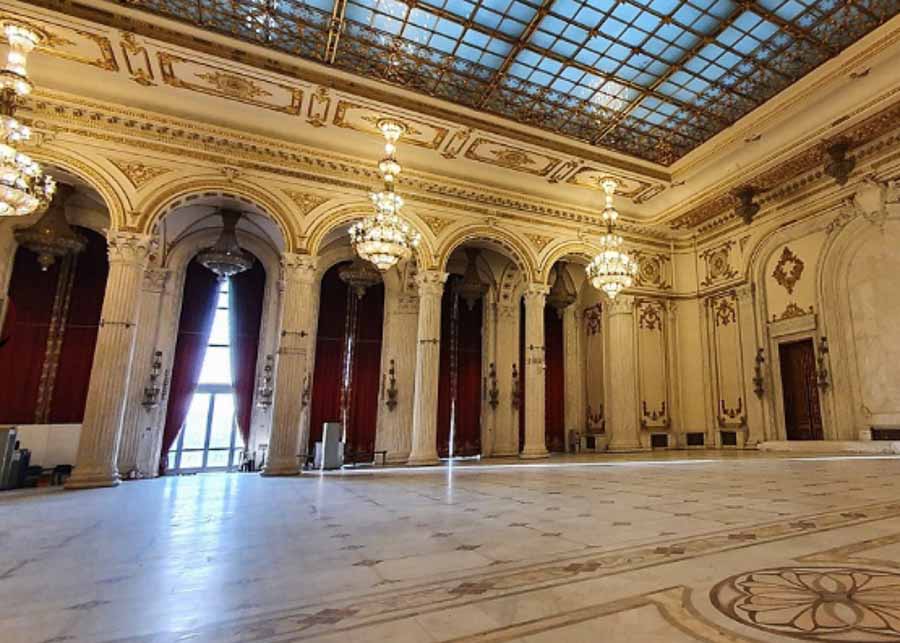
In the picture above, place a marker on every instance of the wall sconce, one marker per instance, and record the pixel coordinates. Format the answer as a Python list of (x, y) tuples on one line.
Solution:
[(758, 374), (822, 375), (304, 397), (493, 392), (266, 390), (153, 390), (516, 387), (390, 393)]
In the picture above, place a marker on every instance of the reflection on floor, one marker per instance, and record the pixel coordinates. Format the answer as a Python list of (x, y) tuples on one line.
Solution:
[(709, 547)]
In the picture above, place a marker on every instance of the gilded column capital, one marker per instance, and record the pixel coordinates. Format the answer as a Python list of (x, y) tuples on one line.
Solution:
[(431, 282), (296, 267), (128, 247), (621, 305), (536, 294)]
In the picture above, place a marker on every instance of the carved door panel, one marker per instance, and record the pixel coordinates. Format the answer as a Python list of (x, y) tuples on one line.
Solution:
[(802, 415)]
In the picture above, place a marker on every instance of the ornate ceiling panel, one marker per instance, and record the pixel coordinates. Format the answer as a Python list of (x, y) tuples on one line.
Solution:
[(650, 78)]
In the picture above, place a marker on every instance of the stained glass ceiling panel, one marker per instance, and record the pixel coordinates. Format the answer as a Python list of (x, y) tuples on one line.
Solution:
[(650, 78)]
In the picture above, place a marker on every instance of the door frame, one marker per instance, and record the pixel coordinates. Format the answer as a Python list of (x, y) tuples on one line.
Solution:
[(789, 331)]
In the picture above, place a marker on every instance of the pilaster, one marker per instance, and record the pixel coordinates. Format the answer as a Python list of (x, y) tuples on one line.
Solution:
[(622, 422), (424, 433), (573, 367), (535, 365), (298, 276), (747, 319), (95, 463), (506, 420)]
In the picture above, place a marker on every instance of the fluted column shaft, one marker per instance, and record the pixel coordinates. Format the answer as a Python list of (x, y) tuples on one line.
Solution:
[(574, 370), (622, 406), (535, 365), (95, 463), (424, 433), (298, 277)]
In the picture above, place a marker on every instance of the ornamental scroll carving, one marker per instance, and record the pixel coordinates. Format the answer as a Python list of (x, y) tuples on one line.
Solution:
[(725, 311), (788, 270), (718, 264), (593, 319)]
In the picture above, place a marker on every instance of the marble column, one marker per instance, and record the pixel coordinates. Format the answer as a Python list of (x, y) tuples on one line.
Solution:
[(424, 430), (747, 320), (574, 371), (488, 357), (292, 363), (622, 405), (139, 426), (506, 438), (535, 365), (101, 431)]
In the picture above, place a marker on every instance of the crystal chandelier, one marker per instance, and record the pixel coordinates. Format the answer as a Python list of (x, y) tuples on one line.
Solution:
[(24, 188), (359, 276), (612, 270), (226, 258), (385, 237), (561, 296), (52, 236), (471, 288)]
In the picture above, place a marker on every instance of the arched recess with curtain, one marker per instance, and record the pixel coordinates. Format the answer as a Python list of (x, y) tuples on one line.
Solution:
[(346, 374), (52, 317)]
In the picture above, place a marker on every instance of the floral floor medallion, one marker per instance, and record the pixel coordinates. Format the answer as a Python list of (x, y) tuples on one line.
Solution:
[(815, 603)]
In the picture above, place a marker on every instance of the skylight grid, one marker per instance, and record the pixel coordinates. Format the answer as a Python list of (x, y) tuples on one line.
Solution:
[(509, 17)]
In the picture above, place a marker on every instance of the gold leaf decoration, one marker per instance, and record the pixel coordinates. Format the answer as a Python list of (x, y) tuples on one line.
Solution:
[(307, 201), (138, 173), (437, 224), (540, 241)]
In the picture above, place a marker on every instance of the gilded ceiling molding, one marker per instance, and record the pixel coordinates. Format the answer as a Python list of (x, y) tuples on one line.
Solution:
[(114, 195), (517, 249), (160, 202), (120, 126)]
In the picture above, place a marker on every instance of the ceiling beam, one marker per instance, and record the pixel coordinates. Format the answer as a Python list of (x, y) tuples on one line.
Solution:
[(792, 29), (335, 28)]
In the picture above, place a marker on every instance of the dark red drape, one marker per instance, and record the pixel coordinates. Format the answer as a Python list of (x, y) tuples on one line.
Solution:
[(31, 294), (198, 307), (245, 307), (82, 324), (330, 341), (366, 373), (467, 433), (554, 382), (459, 382), (522, 400)]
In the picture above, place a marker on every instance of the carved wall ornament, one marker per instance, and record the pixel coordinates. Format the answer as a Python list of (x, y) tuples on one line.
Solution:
[(456, 144), (788, 270), (239, 87), (652, 270), (317, 110), (306, 201), (650, 314), (725, 311), (437, 224), (730, 414), (718, 264), (137, 173), (654, 415), (593, 319), (137, 60), (77, 46), (540, 241), (364, 118), (792, 311), (511, 158)]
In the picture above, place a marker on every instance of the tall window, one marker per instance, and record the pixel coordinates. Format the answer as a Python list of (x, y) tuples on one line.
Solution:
[(209, 440)]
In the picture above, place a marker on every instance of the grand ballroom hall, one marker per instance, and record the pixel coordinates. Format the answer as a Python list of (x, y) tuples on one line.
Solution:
[(449, 320)]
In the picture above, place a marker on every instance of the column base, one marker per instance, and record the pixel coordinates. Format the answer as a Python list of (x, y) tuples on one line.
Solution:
[(505, 453), (423, 460), (534, 454), (281, 468), (91, 481)]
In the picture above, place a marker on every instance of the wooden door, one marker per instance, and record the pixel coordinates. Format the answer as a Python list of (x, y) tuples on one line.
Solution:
[(802, 415)]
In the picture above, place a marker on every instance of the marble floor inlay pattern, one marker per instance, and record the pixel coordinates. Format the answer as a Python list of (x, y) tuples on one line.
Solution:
[(707, 547)]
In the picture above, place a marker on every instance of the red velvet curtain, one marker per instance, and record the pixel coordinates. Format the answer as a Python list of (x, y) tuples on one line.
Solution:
[(554, 382), (31, 294), (198, 307), (330, 341), (245, 305), (82, 324), (366, 373), (467, 434), (459, 381)]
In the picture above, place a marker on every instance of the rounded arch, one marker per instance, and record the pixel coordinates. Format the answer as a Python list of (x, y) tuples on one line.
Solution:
[(110, 190), (157, 205), (514, 247), (334, 214), (564, 248)]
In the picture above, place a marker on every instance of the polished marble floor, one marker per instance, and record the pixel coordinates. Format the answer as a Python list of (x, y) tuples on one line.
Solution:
[(711, 547)]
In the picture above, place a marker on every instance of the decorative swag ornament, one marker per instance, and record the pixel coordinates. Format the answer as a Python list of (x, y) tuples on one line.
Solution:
[(24, 188), (612, 270), (226, 258), (385, 237)]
